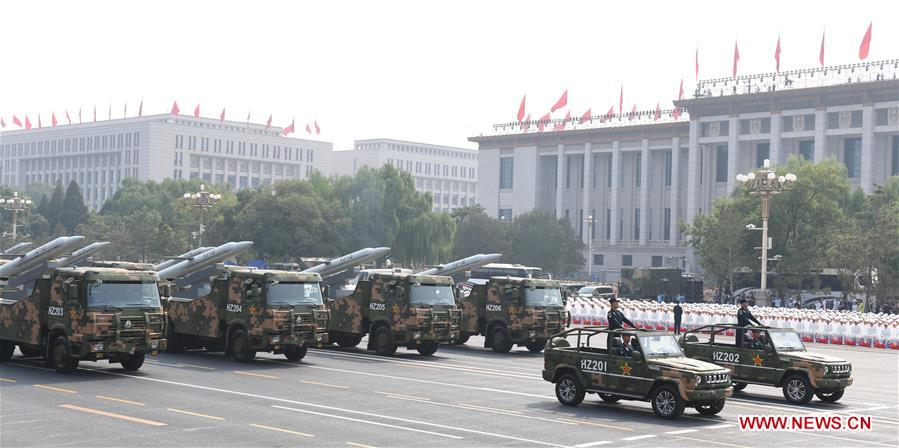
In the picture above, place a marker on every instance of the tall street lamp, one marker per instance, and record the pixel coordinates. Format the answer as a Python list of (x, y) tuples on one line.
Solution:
[(15, 204), (201, 200), (590, 221), (765, 183)]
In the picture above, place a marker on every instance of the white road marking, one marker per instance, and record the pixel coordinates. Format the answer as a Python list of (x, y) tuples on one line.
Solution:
[(597, 443), (369, 422), (645, 436), (721, 426), (682, 431)]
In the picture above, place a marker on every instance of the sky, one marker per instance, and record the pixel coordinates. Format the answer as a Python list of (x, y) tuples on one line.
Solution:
[(435, 72)]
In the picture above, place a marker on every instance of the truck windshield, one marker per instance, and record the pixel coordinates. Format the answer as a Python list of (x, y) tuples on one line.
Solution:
[(294, 294), (660, 345), (123, 294), (786, 341), (431, 295), (543, 297)]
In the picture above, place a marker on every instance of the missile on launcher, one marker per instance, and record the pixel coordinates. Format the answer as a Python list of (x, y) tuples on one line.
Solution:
[(205, 259), (39, 255), (460, 266), (346, 262), (185, 256), (17, 248), (82, 254)]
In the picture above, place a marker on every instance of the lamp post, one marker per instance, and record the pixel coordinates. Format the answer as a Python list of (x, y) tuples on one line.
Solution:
[(590, 221), (15, 204), (201, 200), (765, 183)]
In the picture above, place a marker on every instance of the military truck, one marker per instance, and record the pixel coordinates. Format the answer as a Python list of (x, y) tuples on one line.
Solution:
[(633, 364), (512, 310), (647, 283), (771, 357), (395, 307), (73, 314), (244, 310)]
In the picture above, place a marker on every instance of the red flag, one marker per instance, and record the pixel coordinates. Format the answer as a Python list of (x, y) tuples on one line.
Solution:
[(2, 122), (543, 120), (866, 44), (777, 54), (289, 129), (268, 124), (561, 126), (563, 101), (53, 119), (658, 113), (27, 122), (608, 115), (676, 113), (736, 58), (821, 53), (140, 109), (521, 108), (680, 92), (175, 109), (318, 130), (16, 121), (197, 111), (69, 120), (527, 123), (621, 100), (587, 115), (308, 131), (222, 116), (633, 113), (697, 63)]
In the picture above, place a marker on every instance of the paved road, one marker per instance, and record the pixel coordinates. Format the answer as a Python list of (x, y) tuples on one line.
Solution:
[(462, 396)]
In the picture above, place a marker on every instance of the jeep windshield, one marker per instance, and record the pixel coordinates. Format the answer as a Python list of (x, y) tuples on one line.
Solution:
[(431, 295), (293, 294), (661, 345), (542, 297), (786, 341), (122, 295)]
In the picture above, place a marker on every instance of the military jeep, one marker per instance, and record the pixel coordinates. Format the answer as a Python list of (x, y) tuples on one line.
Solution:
[(633, 364), (771, 357)]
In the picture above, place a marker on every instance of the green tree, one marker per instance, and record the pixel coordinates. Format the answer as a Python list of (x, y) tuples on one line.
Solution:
[(55, 206), (478, 233), (720, 239), (73, 212), (539, 239)]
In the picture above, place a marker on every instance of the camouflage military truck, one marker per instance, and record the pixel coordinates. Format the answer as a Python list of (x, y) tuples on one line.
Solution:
[(771, 357), (638, 365), (513, 310), (396, 307), (86, 314), (247, 310)]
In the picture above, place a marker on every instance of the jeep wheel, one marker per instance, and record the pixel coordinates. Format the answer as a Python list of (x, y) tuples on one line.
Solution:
[(295, 353), (738, 386), (240, 347), (667, 403), (500, 342), (384, 344), (6, 350), (133, 362), (536, 346), (797, 389), (569, 390), (172, 344), (712, 408), (59, 356), (830, 397), (428, 348), (609, 398)]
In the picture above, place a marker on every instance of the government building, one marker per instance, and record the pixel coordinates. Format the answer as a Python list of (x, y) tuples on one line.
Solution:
[(450, 174), (99, 155), (625, 182)]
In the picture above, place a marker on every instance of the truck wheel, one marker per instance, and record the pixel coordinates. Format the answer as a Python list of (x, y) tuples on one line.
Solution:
[(739, 385), (536, 346), (569, 390), (346, 341), (240, 347), (712, 408), (500, 340), (609, 398), (6, 350), (172, 344), (384, 344), (667, 403), (133, 362), (294, 353), (428, 348), (463, 339), (830, 397), (59, 356), (797, 389)]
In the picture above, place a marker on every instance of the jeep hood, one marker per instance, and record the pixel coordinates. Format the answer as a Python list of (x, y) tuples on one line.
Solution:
[(692, 365), (813, 357)]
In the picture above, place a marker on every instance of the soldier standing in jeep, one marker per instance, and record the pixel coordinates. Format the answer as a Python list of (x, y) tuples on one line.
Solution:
[(744, 319)]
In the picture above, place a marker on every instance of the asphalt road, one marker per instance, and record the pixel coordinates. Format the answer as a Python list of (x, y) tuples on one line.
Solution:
[(462, 396)]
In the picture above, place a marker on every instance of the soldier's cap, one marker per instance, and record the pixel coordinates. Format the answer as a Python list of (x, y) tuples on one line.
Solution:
[(613, 300), (743, 300)]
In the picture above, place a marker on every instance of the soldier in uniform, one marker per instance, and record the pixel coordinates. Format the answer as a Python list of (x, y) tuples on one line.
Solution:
[(678, 314), (616, 321), (744, 319)]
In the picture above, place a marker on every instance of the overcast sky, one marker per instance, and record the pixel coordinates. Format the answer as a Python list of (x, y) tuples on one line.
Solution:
[(434, 72)]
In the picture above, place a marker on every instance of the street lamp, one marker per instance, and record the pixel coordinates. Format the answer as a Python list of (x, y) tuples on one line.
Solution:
[(15, 204), (765, 183), (590, 221), (201, 200)]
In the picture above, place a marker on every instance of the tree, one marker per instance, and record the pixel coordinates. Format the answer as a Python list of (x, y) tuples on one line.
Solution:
[(55, 206), (539, 239), (73, 212), (478, 233), (720, 240)]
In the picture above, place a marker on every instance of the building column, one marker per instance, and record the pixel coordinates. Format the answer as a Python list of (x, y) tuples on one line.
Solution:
[(644, 190), (588, 159), (820, 134), (774, 145), (560, 173), (675, 181), (733, 131), (616, 190), (867, 168), (693, 172)]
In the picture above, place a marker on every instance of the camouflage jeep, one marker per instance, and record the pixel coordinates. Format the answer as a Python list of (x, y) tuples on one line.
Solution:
[(86, 314), (633, 365), (513, 310), (771, 357)]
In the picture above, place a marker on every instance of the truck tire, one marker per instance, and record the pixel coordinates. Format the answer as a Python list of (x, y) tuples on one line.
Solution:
[(428, 348), (383, 342), (463, 339), (133, 362), (712, 408), (295, 353), (240, 346), (536, 346), (830, 397), (797, 389), (667, 403), (59, 356), (499, 339), (569, 390), (172, 344), (6, 350), (345, 340)]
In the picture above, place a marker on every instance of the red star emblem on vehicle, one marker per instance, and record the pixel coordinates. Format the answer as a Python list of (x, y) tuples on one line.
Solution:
[(757, 360), (396, 308), (252, 309), (626, 369), (513, 310), (73, 314)]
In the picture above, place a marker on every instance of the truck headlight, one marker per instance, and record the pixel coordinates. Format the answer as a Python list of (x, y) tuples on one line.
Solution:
[(826, 370), (697, 380), (97, 347)]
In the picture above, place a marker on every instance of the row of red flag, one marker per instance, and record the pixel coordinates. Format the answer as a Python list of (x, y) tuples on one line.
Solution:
[(290, 129)]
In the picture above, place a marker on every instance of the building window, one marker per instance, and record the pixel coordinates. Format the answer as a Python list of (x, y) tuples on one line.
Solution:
[(505, 172), (721, 163), (620, 224), (762, 152), (505, 214), (594, 170), (666, 225), (852, 156), (627, 260), (567, 172), (608, 223), (638, 174), (656, 261), (567, 216), (807, 149), (598, 260), (609, 172), (667, 168), (636, 223)]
